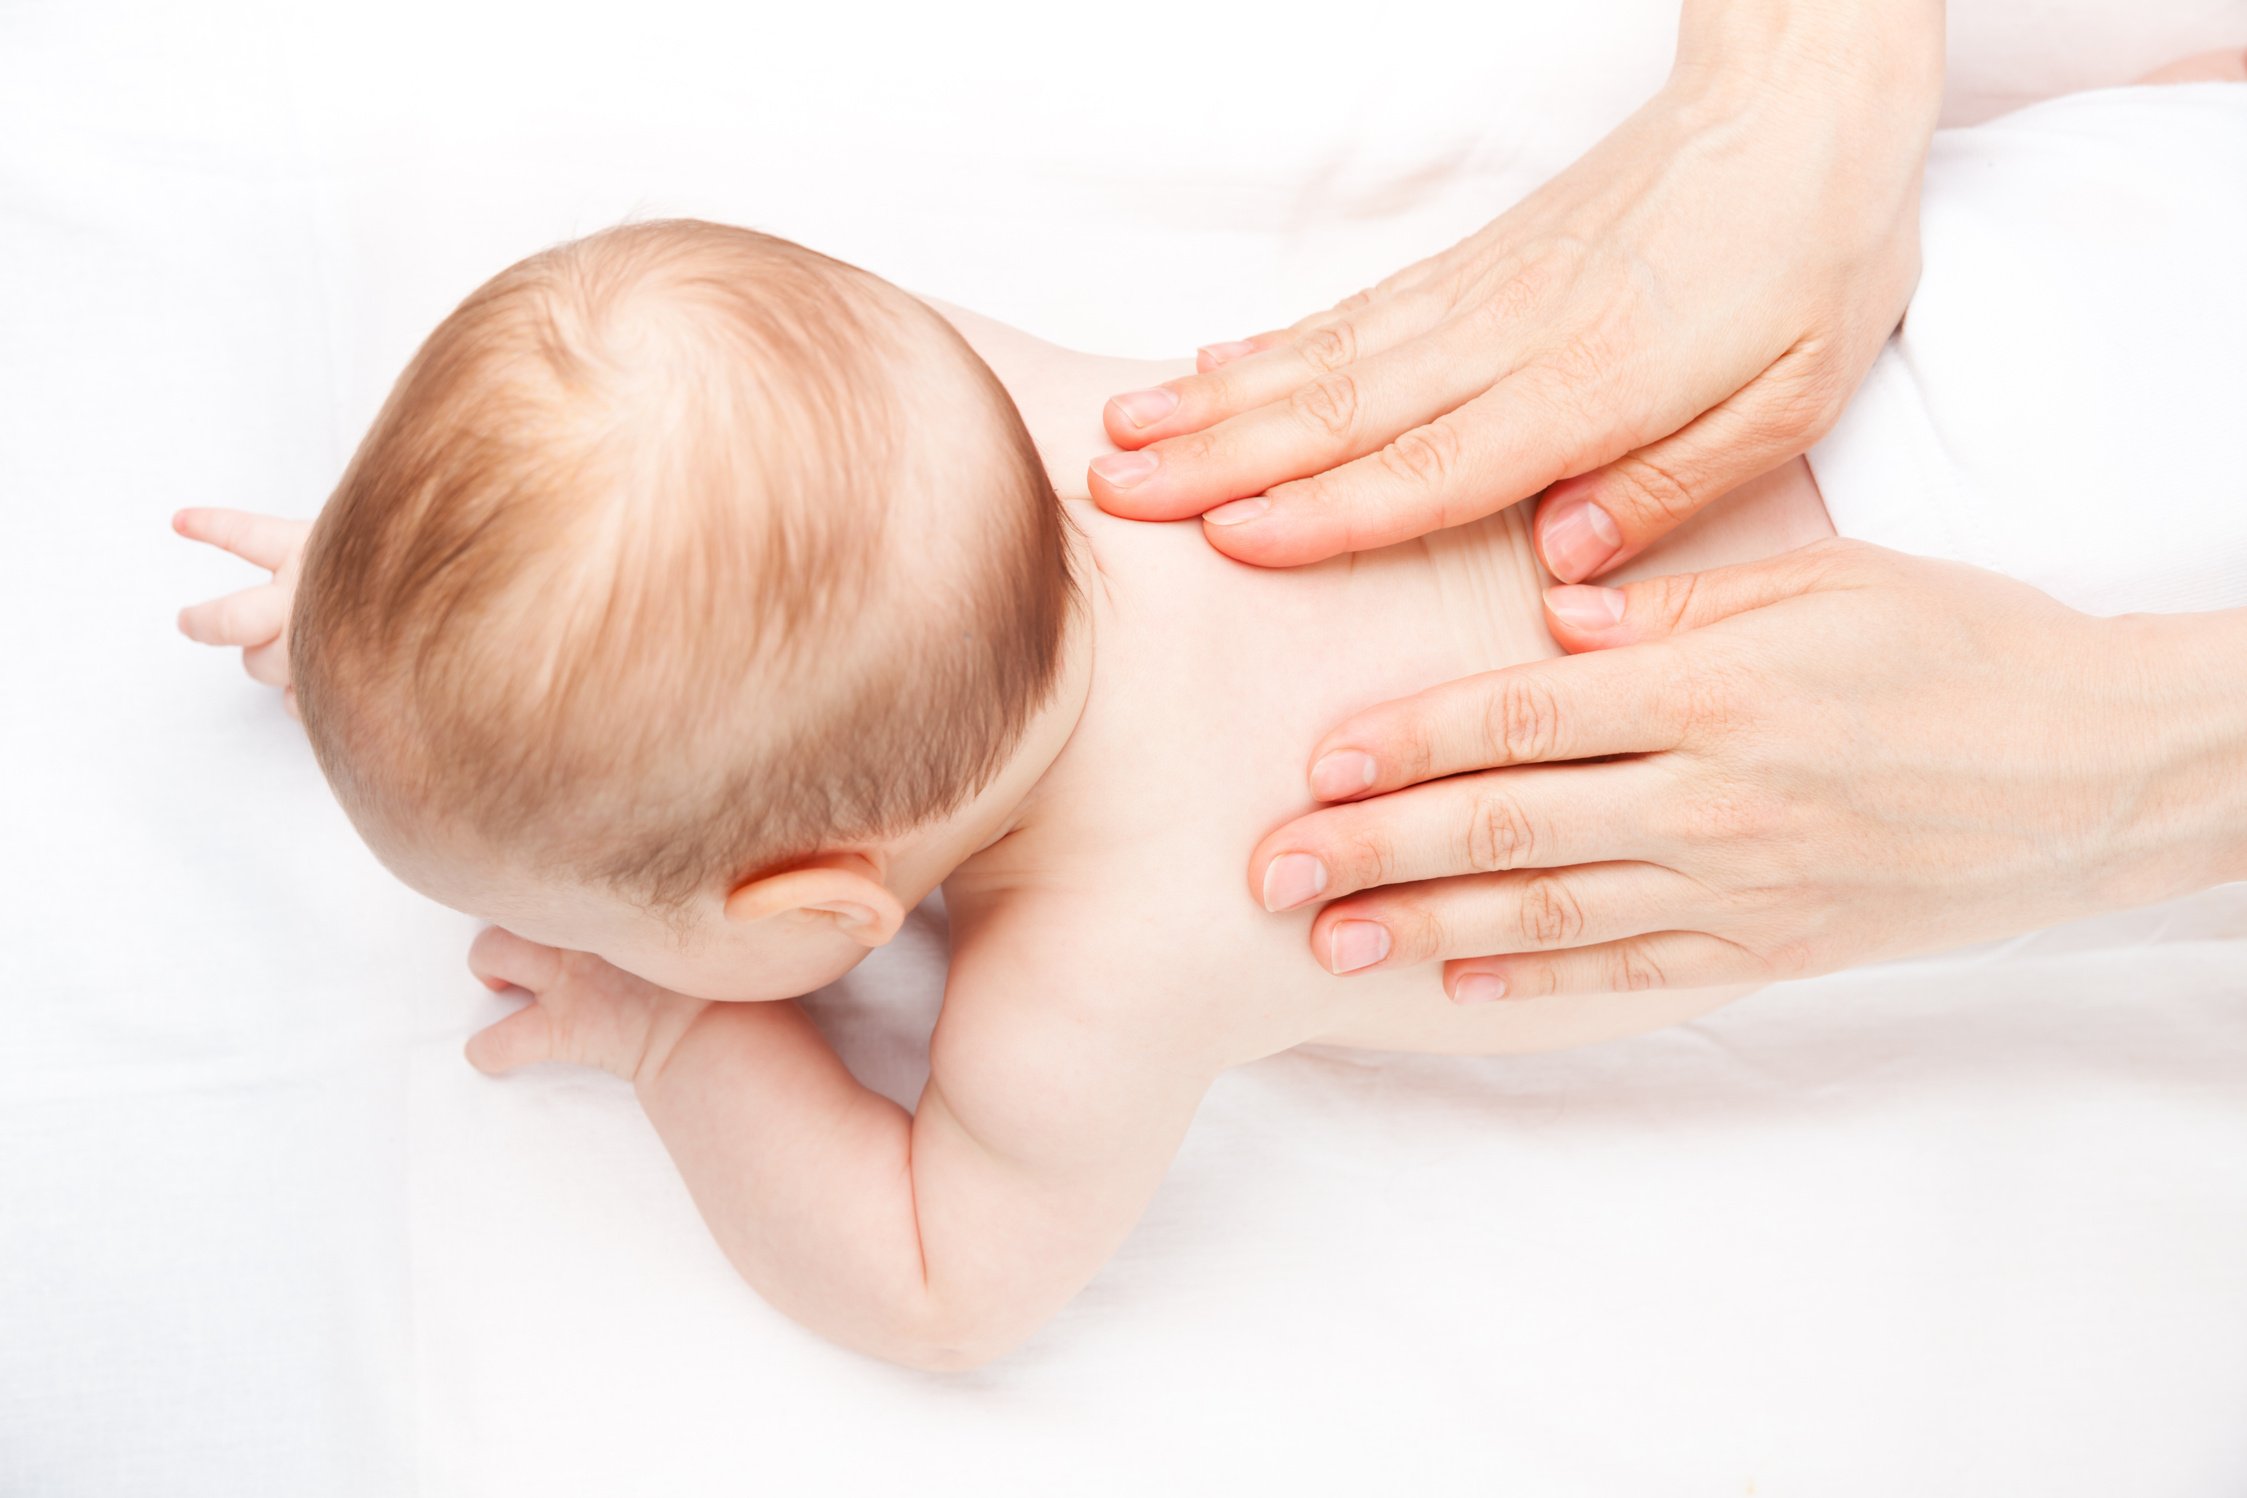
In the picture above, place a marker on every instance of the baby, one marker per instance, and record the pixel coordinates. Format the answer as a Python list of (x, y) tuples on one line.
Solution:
[(698, 604)]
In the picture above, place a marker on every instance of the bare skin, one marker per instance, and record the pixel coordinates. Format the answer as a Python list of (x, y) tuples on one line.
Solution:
[(1193, 651), (1679, 311), (1107, 961), (1912, 755)]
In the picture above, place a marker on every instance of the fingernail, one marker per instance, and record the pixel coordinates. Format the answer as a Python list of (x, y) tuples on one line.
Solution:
[(1356, 944), (1586, 608), (1238, 511), (1479, 988), (1217, 353), (1292, 878), (1145, 407), (1345, 772), (1122, 470), (1579, 540)]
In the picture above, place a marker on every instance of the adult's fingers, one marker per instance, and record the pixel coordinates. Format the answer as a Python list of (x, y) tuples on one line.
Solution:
[(1523, 911), (1495, 450), (1532, 818), (1661, 959), (1210, 355), (1562, 709), (1421, 275), (250, 617), (264, 540), (1335, 417), (1194, 401), (501, 959), (1598, 520), (1585, 617)]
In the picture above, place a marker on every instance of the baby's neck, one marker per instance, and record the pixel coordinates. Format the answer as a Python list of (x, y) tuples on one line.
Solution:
[(1007, 802), (1059, 393)]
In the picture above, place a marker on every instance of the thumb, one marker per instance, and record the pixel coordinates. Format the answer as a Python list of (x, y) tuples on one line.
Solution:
[(1591, 618), (1594, 521), (518, 1040)]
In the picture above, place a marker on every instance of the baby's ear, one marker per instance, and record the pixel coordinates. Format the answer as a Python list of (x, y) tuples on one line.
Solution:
[(842, 889)]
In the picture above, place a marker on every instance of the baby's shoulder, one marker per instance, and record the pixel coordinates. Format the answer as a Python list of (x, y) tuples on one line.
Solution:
[(1063, 968), (1027, 951), (1045, 1013)]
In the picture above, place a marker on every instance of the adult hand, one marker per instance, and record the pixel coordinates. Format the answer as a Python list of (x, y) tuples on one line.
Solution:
[(1686, 307), (1834, 756)]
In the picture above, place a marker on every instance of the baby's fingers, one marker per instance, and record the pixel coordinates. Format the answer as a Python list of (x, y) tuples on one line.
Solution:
[(268, 663), (501, 959), (250, 617), (267, 541), (520, 1039)]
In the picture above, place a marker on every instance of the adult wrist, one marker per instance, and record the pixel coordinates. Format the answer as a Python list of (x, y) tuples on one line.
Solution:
[(1889, 53), (2187, 791)]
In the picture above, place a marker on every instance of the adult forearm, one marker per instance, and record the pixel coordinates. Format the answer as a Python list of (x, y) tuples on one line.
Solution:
[(2188, 808)]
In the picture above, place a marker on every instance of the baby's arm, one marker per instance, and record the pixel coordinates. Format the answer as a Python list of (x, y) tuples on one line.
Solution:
[(939, 1238)]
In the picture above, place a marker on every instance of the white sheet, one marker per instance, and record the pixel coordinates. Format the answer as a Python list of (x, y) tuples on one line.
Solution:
[(2059, 403), (1968, 1226)]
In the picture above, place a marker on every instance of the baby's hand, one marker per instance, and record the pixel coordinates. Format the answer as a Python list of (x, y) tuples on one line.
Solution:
[(582, 1011), (257, 619)]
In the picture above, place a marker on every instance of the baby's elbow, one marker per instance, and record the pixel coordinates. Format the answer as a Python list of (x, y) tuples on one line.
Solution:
[(940, 1357), (912, 1326), (938, 1341)]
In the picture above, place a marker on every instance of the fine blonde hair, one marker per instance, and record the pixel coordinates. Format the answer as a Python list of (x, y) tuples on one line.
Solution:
[(677, 552)]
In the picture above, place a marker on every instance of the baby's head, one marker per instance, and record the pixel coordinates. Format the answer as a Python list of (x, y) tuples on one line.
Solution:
[(686, 578)]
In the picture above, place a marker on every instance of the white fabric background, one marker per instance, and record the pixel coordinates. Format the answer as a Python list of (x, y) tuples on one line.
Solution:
[(1957, 1227), (2055, 407)]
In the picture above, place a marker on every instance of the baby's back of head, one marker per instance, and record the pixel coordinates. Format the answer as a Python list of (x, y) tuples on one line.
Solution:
[(678, 552)]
